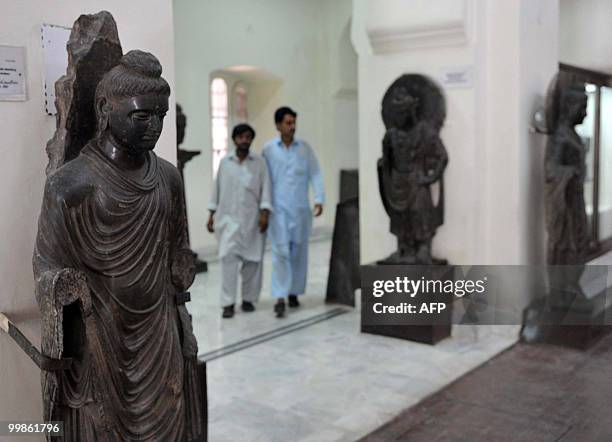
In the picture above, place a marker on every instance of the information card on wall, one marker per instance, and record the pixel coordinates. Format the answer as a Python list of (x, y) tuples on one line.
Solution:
[(457, 77), (54, 39), (12, 73)]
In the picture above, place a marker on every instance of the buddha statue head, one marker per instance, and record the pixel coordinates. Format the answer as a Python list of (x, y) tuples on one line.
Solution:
[(131, 102)]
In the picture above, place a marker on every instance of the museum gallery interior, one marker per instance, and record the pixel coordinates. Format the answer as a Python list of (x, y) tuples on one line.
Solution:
[(306, 220)]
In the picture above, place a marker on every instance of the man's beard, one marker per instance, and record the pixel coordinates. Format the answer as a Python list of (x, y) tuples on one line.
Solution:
[(242, 149)]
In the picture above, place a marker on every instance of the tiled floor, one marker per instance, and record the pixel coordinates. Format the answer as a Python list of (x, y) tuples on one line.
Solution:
[(327, 382)]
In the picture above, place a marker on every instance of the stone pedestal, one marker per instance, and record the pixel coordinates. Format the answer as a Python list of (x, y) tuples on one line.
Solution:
[(427, 327), (344, 277), (570, 327), (425, 334), (577, 310)]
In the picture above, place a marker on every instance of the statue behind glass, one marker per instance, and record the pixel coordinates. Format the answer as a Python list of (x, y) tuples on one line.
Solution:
[(565, 171), (566, 218)]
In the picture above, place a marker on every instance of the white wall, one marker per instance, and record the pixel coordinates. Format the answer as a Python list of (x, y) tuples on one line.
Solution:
[(585, 34), (339, 103), (522, 57), (301, 43), (25, 129), (264, 98), (539, 62), (493, 181)]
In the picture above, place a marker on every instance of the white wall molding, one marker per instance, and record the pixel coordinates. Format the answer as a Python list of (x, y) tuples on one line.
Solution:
[(400, 25)]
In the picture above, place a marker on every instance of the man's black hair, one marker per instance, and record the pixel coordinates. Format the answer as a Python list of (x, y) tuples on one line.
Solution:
[(281, 112), (239, 129)]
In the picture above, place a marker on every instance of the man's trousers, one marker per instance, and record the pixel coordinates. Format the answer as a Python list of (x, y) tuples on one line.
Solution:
[(250, 273), (289, 269)]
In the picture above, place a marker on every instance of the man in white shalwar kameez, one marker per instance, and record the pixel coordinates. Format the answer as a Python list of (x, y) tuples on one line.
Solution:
[(239, 211), (293, 166)]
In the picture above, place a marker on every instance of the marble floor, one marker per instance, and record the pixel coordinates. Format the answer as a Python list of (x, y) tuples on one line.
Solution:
[(326, 381)]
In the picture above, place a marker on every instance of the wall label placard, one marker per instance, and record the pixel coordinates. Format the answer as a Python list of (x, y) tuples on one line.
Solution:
[(457, 77), (55, 58), (12, 73)]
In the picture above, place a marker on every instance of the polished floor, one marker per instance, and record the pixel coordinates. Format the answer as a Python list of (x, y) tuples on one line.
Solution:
[(313, 376)]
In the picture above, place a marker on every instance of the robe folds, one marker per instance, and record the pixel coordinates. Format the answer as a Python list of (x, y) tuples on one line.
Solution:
[(566, 218), (111, 257), (408, 156)]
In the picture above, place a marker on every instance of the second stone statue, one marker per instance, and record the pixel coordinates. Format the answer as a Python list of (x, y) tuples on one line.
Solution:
[(414, 158)]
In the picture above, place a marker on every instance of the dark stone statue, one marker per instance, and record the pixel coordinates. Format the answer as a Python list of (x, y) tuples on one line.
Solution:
[(182, 156), (111, 261), (181, 124), (565, 170), (414, 158), (566, 218)]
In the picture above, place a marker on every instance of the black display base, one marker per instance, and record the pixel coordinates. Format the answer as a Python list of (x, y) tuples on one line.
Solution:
[(394, 260), (430, 332), (344, 276), (425, 334), (573, 328)]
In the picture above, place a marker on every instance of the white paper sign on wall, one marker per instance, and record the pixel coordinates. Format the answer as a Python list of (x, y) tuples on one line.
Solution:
[(457, 77), (12, 73), (55, 56)]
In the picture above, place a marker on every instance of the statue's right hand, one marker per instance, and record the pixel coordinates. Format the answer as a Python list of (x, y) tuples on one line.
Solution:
[(211, 224)]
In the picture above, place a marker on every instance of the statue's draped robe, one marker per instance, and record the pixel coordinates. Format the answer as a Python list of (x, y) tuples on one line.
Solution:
[(566, 217), (134, 375), (406, 157)]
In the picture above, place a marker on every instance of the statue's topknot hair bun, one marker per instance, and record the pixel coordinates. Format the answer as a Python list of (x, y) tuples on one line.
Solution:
[(138, 73), (144, 63)]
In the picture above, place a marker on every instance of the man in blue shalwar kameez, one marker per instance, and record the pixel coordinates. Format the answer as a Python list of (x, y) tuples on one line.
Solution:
[(293, 167)]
